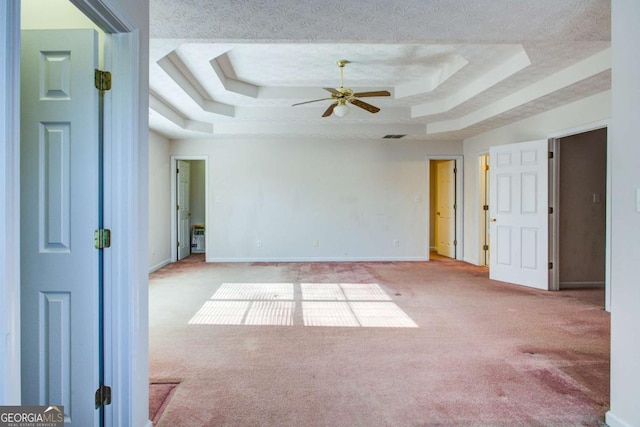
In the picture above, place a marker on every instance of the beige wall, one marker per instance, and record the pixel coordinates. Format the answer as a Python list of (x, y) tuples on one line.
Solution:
[(354, 197), (582, 210)]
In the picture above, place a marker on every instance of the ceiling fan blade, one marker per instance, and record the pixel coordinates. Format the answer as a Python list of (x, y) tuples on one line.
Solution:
[(332, 90), (307, 102), (329, 110), (373, 93), (370, 108)]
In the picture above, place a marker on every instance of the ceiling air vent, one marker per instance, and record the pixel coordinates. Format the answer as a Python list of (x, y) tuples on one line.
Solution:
[(393, 136)]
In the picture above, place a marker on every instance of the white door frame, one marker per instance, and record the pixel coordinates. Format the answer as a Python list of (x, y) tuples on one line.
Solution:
[(174, 203), (459, 201), (482, 193), (125, 194), (10, 389), (554, 198)]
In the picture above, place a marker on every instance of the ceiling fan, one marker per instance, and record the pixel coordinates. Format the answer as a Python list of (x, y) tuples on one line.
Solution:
[(344, 95)]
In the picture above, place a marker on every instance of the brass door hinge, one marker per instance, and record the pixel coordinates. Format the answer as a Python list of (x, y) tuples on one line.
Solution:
[(103, 396), (551, 154), (485, 247), (485, 207), (550, 210), (102, 80), (102, 238), (550, 266)]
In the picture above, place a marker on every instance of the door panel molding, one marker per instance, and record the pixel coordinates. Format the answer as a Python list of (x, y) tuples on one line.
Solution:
[(519, 213), (60, 276)]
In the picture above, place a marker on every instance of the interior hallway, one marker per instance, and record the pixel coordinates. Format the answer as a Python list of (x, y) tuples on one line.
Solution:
[(483, 353)]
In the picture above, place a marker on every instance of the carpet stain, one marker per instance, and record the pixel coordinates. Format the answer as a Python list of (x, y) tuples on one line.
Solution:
[(558, 382)]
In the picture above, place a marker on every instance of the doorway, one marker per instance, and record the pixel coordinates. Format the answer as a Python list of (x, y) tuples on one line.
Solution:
[(579, 217), (190, 198), (445, 198)]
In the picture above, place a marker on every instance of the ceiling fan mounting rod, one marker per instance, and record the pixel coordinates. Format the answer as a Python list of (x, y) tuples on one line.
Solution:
[(341, 64)]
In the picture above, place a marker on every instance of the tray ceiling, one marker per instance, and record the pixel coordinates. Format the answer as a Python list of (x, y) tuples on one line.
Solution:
[(222, 69)]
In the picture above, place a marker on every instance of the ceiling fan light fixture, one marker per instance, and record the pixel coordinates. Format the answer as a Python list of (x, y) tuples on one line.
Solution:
[(341, 110)]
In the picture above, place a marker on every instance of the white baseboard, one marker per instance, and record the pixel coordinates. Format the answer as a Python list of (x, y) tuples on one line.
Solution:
[(614, 421), (159, 266), (320, 259), (575, 285)]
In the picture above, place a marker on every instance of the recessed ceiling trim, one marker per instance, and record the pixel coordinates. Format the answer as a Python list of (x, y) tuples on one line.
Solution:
[(160, 107), (443, 72), (232, 85), (313, 111), (173, 66), (335, 130), (582, 70), (508, 68)]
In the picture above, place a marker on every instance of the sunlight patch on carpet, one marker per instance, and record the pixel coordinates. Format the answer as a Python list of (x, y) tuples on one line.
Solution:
[(322, 292), (364, 292), (221, 313), (381, 315), (323, 304), (316, 313), (279, 313), (254, 291)]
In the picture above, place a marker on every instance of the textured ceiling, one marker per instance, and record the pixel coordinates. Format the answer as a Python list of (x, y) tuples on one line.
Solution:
[(455, 68)]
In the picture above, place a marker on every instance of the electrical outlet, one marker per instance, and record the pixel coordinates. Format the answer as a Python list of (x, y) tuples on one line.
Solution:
[(259, 243), (396, 243), (316, 243)]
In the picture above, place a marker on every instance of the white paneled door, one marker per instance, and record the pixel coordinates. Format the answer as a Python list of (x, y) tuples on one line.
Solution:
[(518, 209), (184, 209), (60, 202)]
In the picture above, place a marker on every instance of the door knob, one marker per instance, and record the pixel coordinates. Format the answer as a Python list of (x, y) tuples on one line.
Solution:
[(493, 220)]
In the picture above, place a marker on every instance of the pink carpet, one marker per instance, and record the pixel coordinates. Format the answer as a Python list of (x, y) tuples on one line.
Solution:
[(484, 353)]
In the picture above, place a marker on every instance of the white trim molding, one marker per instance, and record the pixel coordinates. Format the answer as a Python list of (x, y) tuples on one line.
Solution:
[(10, 388), (126, 275), (613, 421)]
